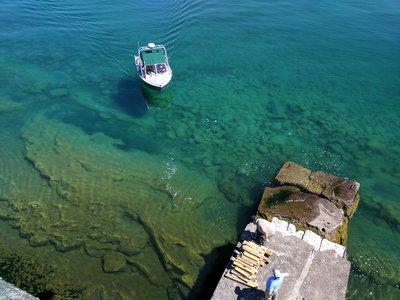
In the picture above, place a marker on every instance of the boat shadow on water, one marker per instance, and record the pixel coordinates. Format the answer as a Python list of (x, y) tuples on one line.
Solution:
[(130, 98), (134, 98), (156, 98)]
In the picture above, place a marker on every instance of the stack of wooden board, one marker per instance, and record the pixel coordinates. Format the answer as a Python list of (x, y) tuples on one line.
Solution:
[(244, 267)]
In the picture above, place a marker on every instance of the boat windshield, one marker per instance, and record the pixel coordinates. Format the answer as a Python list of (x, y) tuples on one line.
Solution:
[(161, 68), (150, 69)]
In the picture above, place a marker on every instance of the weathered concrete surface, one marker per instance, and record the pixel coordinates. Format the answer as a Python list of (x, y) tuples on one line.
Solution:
[(292, 173), (10, 292), (313, 274), (324, 266), (341, 191)]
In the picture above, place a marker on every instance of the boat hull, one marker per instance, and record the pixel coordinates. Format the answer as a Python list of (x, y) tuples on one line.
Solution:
[(154, 87), (156, 83)]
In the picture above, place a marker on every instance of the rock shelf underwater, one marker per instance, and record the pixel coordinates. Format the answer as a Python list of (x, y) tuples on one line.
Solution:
[(114, 206)]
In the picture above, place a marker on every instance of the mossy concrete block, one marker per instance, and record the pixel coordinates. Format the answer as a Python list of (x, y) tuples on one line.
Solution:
[(329, 218), (316, 201), (340, 191), (343, 193), (275, 196), (304, 210), (317, 182), (293, 173)]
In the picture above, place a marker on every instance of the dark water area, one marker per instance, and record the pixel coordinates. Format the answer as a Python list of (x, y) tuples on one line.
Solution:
[(109, 190)]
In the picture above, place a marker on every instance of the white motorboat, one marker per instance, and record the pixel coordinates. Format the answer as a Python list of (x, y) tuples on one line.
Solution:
[(152, 66)]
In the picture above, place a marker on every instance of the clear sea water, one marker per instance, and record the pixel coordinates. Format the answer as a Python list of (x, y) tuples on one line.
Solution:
[(98, 175)]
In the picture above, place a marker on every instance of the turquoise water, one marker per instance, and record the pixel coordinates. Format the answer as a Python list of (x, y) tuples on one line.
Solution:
[(108, 190)]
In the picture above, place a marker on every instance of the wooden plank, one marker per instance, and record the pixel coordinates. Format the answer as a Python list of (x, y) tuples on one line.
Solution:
[(257, 246), (253, 251), (246, 262), (251, 260), (243, 271), (257, 254), (241, 276), (253, 257), (245, 266), (249, 283), (228, 274)]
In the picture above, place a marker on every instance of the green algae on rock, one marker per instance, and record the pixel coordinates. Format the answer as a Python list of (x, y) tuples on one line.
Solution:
[(33, 276), (97, 192), (113, 262)]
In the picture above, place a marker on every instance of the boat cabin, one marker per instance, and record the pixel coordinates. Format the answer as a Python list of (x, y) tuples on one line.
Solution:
[(154, 61)]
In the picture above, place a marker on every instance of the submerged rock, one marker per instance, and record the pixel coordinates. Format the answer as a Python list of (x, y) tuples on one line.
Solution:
[(132, 247), (7, 105), (98, 192), (113, 262), (59, 92), (98, 249)]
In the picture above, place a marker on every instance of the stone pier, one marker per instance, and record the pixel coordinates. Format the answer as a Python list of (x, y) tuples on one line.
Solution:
[(10, 292), (310, 211), (317, 268)]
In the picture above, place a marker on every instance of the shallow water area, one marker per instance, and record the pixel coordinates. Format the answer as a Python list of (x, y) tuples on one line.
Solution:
[(121, 192)]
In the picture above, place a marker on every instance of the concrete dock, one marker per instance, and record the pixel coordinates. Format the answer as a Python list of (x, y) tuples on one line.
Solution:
[(318, 268), (311, 248), (10, 292)]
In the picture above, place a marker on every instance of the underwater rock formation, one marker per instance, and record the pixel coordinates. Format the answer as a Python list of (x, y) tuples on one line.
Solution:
[(128, 211), (113, 262), (7, 105), (58, 92)]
